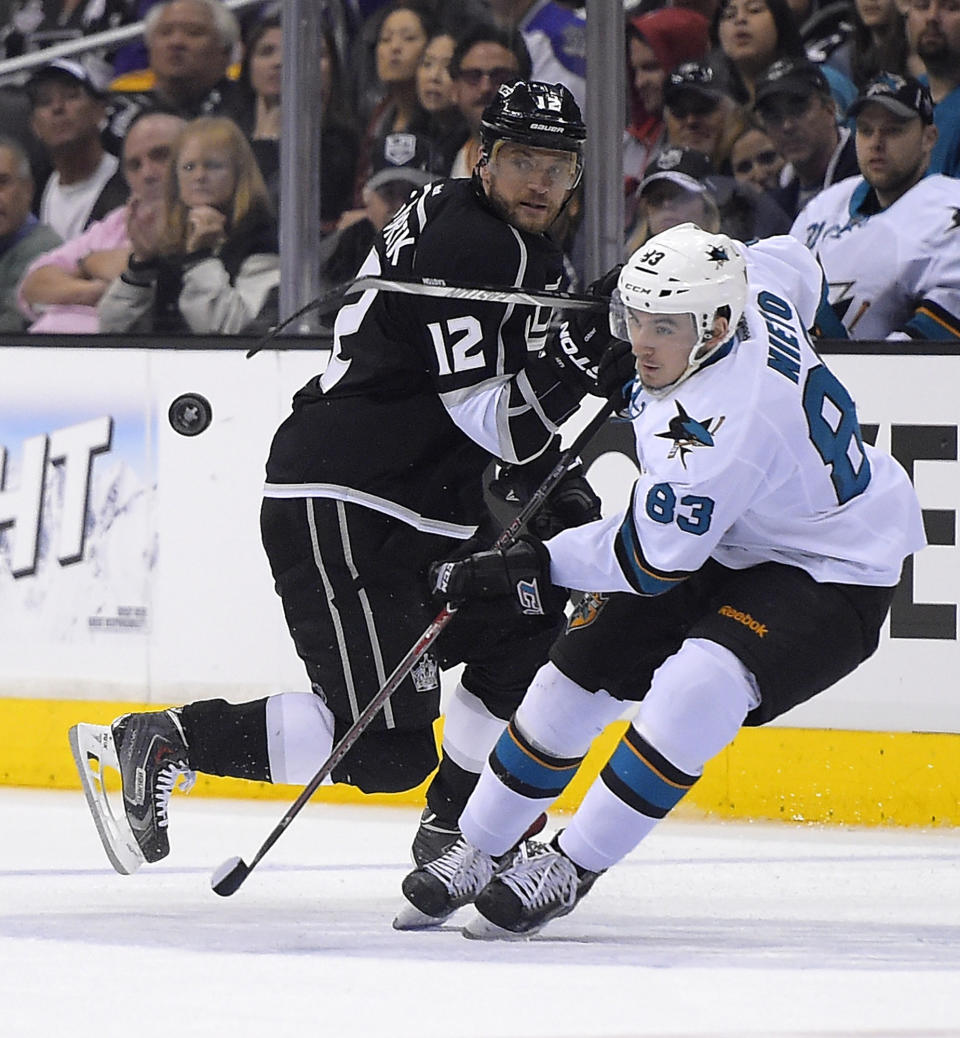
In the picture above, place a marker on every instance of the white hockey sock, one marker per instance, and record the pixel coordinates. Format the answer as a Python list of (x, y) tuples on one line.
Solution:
[(299, 736), (695, 706), (535, 758), (469, 730)]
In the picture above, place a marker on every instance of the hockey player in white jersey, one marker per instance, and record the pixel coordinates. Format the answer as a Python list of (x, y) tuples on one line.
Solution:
[(889, 241), (752, 569)]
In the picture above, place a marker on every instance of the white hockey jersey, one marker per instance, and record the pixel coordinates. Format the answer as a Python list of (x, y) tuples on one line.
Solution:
[(893, 272), (756, 457)]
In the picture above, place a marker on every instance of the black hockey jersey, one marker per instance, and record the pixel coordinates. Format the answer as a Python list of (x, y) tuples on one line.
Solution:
[(421, 391)]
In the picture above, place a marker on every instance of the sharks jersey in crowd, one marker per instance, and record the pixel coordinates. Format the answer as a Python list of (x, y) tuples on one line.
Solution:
[(756, 457), (421, 391), (893, 272)]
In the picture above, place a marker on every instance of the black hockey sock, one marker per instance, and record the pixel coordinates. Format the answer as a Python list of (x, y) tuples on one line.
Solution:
[(227, 739), (450, 790)]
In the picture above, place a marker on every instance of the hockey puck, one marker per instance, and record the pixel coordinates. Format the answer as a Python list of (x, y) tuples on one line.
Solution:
[(190, 414)]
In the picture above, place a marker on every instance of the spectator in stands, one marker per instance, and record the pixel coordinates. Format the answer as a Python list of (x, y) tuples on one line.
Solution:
[(444, 124), (755, 160), (485, 58), (699, 114), (682, 186), (794, 103), (933, 27), (207, 260), (889, 241), (749, 35), (405, 28), (657, 43), (61, 288), (877, 41), (190, 44), (68, 109), (402, 163), (22, 237), (260, 117), (556, 38)]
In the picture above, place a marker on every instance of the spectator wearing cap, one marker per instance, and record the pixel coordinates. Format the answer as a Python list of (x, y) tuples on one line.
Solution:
[(797, 109), (933, 29), (190, 45), (889, 241), (484, 58), (699, 113), (402, 163), (68, 108), (749, 35), (22, 236), (682, 186), (657, 42)]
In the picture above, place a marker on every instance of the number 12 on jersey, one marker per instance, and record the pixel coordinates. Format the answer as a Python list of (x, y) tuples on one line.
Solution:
[(458, 343)]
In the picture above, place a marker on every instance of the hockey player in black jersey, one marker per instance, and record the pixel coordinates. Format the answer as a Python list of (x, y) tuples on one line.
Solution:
[(376, 472)]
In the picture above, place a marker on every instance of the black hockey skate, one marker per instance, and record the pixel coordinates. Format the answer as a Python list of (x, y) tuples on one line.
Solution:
[(539, 885), (436, 836), (433, 838), (439, 886), (437, 889), (150, 753)]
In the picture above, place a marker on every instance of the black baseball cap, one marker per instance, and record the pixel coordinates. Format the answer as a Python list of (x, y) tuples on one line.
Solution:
[(403, 156), (905, 96), (692, 77), (795, 77), (63, 68), (684, 166)]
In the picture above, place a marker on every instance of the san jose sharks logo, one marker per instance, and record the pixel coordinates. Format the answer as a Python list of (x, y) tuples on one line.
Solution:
[(688, 433), (718, 254)]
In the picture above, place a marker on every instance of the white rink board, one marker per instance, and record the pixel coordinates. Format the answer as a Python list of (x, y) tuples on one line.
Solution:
[(171, 596)]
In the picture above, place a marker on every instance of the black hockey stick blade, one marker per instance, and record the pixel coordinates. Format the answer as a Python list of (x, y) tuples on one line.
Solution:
[(227, 879)]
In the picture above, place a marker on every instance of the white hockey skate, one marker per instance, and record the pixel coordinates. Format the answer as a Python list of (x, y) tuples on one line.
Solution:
[(148, 753)]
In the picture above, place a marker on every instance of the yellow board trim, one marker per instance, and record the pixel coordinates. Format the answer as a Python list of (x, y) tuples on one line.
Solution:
[(793, 774)]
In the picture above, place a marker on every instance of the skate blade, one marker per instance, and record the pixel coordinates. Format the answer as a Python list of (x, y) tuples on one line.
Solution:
[(411, 918), (93, 749), (481, 929)]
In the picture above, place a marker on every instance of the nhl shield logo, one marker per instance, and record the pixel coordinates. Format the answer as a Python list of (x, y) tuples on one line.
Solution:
[(400, 148)]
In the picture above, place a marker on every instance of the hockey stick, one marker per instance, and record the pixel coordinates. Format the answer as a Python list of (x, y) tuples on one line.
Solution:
[(443, 289), (227, 879)]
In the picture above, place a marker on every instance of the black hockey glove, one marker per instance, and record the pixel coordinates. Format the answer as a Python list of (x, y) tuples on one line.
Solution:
[(572, 502), (585, 336), (520, 574), (617, 370)]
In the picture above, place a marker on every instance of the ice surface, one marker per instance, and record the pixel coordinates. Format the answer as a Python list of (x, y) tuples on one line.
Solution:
[(709, 928)]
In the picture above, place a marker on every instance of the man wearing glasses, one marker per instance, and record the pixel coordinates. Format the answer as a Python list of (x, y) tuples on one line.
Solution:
[(483, 60), (794, 103)]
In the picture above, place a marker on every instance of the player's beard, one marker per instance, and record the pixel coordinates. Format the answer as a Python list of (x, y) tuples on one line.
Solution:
[(517, 216)]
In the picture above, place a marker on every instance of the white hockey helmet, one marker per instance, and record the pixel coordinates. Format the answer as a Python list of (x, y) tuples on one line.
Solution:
[(683, 270)]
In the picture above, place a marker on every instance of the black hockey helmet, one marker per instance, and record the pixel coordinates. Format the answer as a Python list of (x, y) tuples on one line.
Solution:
[(541, 115)]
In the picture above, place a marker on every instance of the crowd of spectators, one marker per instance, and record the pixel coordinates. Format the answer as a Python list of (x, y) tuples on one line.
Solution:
[(138, 179)]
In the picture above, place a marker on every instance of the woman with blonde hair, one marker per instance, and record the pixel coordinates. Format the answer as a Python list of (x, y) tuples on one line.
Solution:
[(207, 259)]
